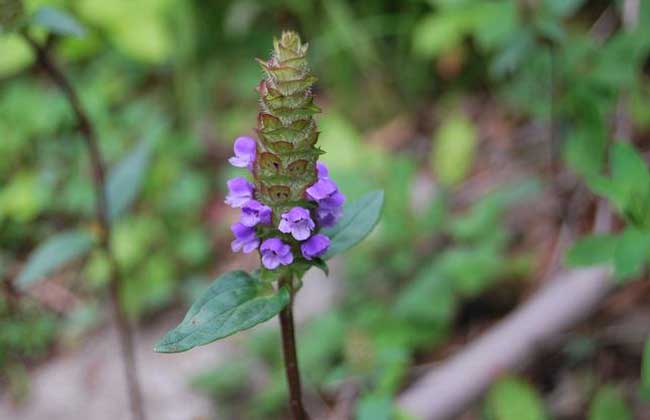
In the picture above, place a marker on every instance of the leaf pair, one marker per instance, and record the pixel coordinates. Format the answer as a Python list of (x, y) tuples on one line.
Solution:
[(237, 301)]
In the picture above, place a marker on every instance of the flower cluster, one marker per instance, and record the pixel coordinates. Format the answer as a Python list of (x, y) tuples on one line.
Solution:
[(291, 197), (299, 223)]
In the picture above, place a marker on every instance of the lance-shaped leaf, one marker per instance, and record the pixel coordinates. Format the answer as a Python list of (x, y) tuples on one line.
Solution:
[(236, 301), (58, 250), (125, 179), (58, 22), (359, 219)]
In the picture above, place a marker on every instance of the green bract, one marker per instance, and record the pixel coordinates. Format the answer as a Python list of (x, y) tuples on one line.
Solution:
[(286, 147)]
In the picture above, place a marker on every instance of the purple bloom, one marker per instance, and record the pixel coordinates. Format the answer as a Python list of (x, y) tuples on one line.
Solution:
[(326, 193), (275, 253), (315, 246), (254, 212), (322, 170), (245, 238), (328, 217), (244, 153), (240, 191), (298, 223)]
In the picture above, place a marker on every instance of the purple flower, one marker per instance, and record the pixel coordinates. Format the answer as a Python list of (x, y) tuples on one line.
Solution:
[(239, 192), (244, 153), (328, 217), (275, 253), (254, 212), (326, 193), (245, 238), (322, 170), (298, 223), (315, 246)]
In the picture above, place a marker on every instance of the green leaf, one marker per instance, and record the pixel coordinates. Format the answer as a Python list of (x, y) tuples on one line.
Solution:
[(608, 404), (454, 150), (54, 253), (375, 407), (645, 371), (513, 399), (125, 179), (58, 22), (359, 219), (631, 253), (592, 250), (236, 301)]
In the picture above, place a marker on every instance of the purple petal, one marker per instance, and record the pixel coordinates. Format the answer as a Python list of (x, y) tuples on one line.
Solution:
[(322, 170), (244, 152), (316, 246), (323, 188), (240, 191), (287, 258), (271, 261)]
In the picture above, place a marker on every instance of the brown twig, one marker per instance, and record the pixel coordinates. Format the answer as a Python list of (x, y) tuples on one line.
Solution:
[(47, 63), (290, 356)]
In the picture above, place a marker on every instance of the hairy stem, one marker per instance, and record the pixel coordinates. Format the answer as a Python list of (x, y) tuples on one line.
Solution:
[(290, 357), (47, 63)]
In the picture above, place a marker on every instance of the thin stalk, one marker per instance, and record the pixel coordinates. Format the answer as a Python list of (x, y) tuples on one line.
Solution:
[(291, 357), (88, 132)]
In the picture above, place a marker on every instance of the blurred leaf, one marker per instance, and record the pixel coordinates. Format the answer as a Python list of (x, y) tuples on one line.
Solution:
[(359, 219), (53, 253), (16, 54), (585, 151), (454, 149), (235, 302), (436, 33), (608, 404), (631, 253), (58, 21), (375, 407), (126, 178), (592, 250), (563, 8), (511, 398)]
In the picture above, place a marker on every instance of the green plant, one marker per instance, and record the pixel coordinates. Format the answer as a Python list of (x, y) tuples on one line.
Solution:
[(293, 213)]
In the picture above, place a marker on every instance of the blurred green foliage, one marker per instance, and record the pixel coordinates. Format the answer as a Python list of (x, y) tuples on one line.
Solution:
[(188, 67)]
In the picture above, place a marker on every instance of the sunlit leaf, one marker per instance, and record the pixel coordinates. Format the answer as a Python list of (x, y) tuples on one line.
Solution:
[(236, 301), (513, 399), (591, 250), (54, 253), (58, 21), (608, 404), (359, 219), (454, 150)]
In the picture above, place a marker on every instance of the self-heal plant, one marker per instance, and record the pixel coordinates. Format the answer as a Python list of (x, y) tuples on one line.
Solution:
[(291, 212)]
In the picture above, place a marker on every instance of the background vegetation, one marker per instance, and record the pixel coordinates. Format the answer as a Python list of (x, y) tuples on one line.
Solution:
[(489, 124)]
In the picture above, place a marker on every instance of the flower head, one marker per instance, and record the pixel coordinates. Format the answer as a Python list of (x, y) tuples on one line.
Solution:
[(298, 223), (275, 253), (244, 153), (245, 238), (315, 246), (254, 212), (239, 192)]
